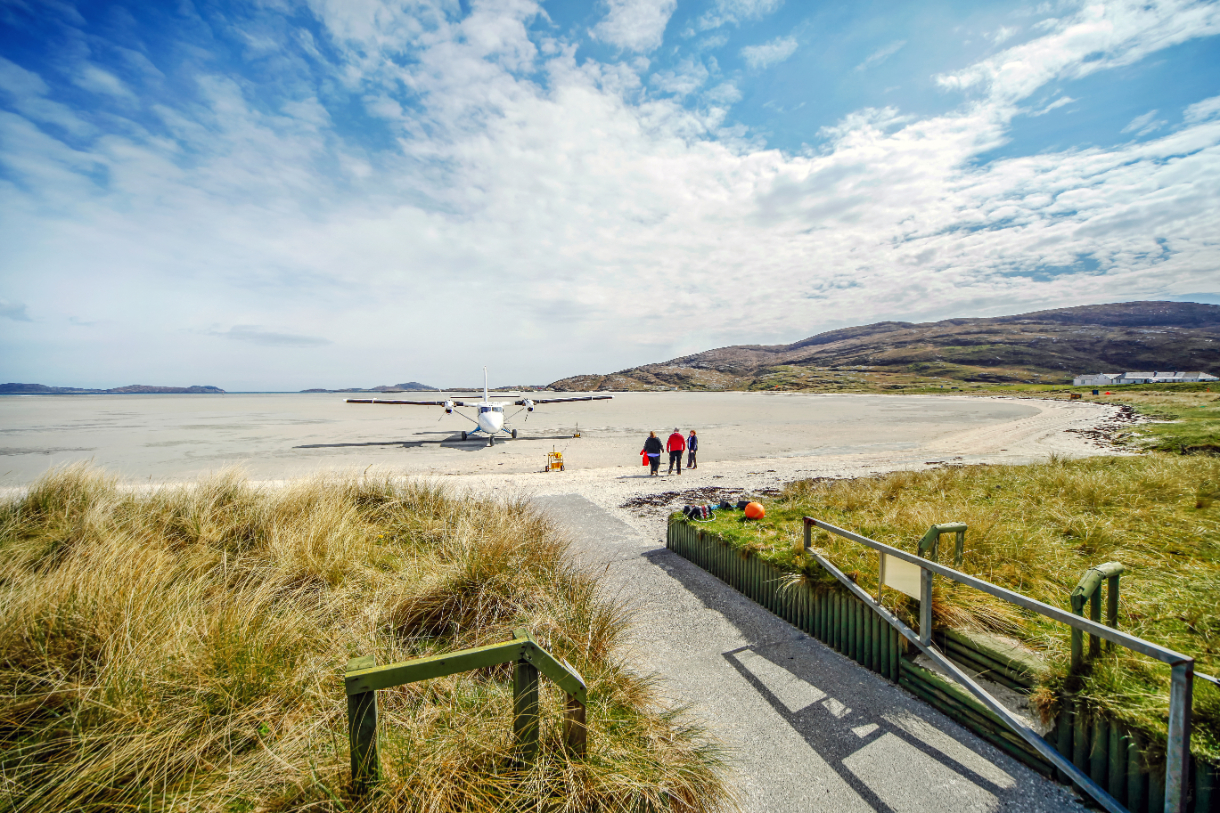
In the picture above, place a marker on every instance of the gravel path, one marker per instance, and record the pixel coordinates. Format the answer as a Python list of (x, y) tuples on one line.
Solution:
[(807, 729)]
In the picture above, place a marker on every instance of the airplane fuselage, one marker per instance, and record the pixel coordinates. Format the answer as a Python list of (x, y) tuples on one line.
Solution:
[(491, 418), (489, 415)]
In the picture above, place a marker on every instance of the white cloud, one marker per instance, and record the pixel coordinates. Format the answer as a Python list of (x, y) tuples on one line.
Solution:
[(382, 106), (688, 77), (1002, 34), (375, 27), (257, 334), (27, 91), (635, 25), (733, 12), (1055, 105), (91, 77), (1096, 38), (880, 55), (13, 310), (724, 93), (568, 225), (1145, 124), (1202, 111), (769, 53), (19, 82)]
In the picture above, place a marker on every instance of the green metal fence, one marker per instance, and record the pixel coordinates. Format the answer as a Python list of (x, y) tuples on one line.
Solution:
[(1123, 762)]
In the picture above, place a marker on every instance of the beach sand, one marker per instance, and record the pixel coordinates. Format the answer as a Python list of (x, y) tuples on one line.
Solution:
[(749, 441)]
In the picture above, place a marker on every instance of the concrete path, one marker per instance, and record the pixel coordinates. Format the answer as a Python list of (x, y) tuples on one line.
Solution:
[(808, 729)]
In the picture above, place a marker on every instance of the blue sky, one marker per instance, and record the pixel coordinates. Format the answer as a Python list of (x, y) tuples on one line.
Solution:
[(282, 194)]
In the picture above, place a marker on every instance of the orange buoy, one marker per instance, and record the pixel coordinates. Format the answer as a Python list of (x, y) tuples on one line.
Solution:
[(755, 511)]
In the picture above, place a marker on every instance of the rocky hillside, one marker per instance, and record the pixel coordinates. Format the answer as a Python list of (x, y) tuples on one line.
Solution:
[(410, 386), (1042, 347), (131, 389)]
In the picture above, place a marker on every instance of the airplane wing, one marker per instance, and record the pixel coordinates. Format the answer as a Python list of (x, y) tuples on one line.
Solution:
[(560, 400), (404, 403)]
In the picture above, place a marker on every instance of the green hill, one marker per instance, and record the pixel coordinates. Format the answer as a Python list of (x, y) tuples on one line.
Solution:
[(1045, 347)]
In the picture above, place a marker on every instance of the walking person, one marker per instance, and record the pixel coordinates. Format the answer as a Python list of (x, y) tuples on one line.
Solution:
[(652, 448), (676, 446), (692, 446)]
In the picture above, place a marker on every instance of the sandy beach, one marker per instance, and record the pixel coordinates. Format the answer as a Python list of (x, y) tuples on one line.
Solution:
[(749, 441)]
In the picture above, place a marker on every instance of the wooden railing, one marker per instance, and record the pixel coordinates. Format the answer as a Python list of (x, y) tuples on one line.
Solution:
[(363, 678)]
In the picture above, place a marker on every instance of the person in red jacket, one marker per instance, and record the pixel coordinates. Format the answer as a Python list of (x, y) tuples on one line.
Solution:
[(676, 445)]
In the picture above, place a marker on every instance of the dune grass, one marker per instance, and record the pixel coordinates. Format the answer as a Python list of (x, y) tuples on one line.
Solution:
[(183, 648), (1036, 529)]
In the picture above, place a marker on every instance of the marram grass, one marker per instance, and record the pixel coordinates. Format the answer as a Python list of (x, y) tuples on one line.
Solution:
[(1035, 529), (183, 649)]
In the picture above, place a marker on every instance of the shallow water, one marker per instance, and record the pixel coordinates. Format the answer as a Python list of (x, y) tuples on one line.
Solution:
[(173, 437)]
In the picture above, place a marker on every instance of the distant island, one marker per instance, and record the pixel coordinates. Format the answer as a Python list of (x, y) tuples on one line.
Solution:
[(132, 389), (410, 386), (1043, 347)]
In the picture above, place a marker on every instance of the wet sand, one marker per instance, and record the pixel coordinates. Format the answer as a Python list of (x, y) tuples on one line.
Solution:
[(754, 438)]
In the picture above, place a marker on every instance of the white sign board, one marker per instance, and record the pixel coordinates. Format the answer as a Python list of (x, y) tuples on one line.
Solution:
[(903, 576)]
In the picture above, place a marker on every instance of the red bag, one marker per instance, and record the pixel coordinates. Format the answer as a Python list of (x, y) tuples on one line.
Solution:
[(644, 455)]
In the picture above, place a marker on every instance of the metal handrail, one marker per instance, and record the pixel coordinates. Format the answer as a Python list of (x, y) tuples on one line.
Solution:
[(1148, 648), (1178, 745), (363, 678)]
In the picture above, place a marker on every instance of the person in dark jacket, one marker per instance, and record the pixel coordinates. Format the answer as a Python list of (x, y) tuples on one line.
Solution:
[(652, 448), (676, 446), (692, 446)]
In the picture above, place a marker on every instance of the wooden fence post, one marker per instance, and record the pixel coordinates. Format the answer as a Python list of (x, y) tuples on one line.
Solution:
[(362, 731), (575, 734), (525, 709)]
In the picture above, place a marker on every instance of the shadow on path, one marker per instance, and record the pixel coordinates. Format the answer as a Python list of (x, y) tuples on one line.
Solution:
[(895, 752), (827, 726), (807, 728)]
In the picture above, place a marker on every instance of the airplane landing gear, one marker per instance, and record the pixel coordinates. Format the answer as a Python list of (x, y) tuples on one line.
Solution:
[(491, 441), (463, 436), (514, 434)]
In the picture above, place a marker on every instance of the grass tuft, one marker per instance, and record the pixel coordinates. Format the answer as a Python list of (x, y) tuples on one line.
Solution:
[(183, 648), (1036, 529)]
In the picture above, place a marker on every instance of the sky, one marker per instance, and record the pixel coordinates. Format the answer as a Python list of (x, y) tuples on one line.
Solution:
[(283, 194)]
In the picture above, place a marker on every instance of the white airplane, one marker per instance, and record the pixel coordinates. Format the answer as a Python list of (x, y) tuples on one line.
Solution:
[(490, 416)]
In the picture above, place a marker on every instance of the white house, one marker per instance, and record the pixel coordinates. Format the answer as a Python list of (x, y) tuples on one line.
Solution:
[(1140, 377), (1096, 380), (1137, 378)]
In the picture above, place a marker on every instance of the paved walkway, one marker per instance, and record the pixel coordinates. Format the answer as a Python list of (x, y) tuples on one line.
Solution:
[(808, 729)]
